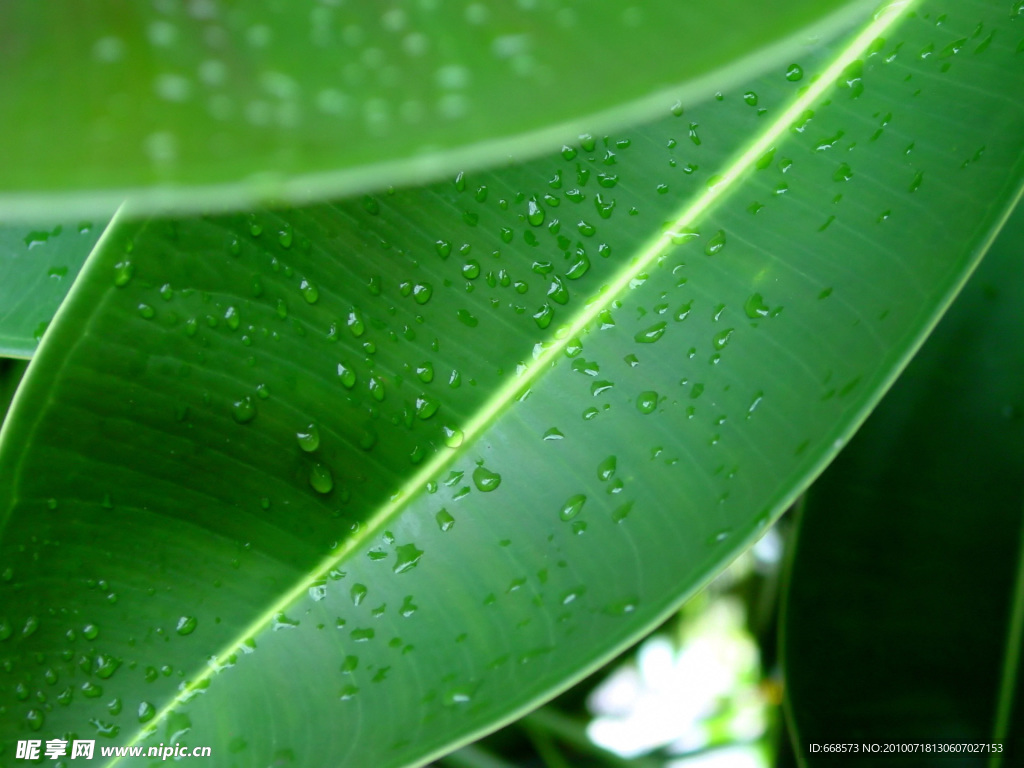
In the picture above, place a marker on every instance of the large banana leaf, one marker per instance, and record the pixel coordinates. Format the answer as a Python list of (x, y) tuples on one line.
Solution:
[(905, 618), (357, 482), (215, 104), (37, 267)]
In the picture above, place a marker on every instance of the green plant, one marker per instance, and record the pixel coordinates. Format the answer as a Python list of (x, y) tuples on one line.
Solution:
[(416, 459)]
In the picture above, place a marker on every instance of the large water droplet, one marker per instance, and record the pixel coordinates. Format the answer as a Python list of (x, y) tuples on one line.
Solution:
[(485, 480), (407, 556), (453, 437)]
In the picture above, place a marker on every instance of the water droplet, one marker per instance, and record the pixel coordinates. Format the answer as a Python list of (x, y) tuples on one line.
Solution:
[(467, 319), (606, 469), (534, 213), (444, 520), (244, 410), (426, 406), (794, 72), (425, 372), (755, 307), (459, 695), (421, 293), (407, 556), (544, 316), (572, 507), (376, 387), (123, 272), (652, 334), (917, 181), (358, 593), (362, 635), (453, 437), (320, 478), (722, 339), (186, 625), (309, 292), (35, 719), (485, 480), (347, 376), (647, 402), (843, 173), (309, 438), (146, 712), (715, 243)]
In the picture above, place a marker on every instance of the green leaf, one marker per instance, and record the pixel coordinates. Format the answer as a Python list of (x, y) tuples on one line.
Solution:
[(364, 480), (905, 607), (212, 105), (37, 267)]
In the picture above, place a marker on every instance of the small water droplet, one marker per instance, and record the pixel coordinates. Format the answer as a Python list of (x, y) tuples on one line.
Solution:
[(146, 712), (606, 469), (722, 339), (243, 410), (651, 334), (715, 243), (358, 593), (123, 273), (572, 507), (444, 520), (421, 293), (647, 402), (347, 376), (426, 406), (794, 72), (320, 478), (309, 292), (186, 625), (309, 438), (534, 213)]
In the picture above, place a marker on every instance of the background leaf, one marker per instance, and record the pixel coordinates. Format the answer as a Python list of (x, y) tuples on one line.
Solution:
[(213, 105), (550, 402), (903, 619), (37, 267)]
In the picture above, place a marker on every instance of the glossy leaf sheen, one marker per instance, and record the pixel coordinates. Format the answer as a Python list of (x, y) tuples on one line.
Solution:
[(461, 543), (221, 104), (903, 619), (37, 266)]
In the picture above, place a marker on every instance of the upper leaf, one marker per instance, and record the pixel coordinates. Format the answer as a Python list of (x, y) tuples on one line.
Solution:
[(205, 104), (359, 481)]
